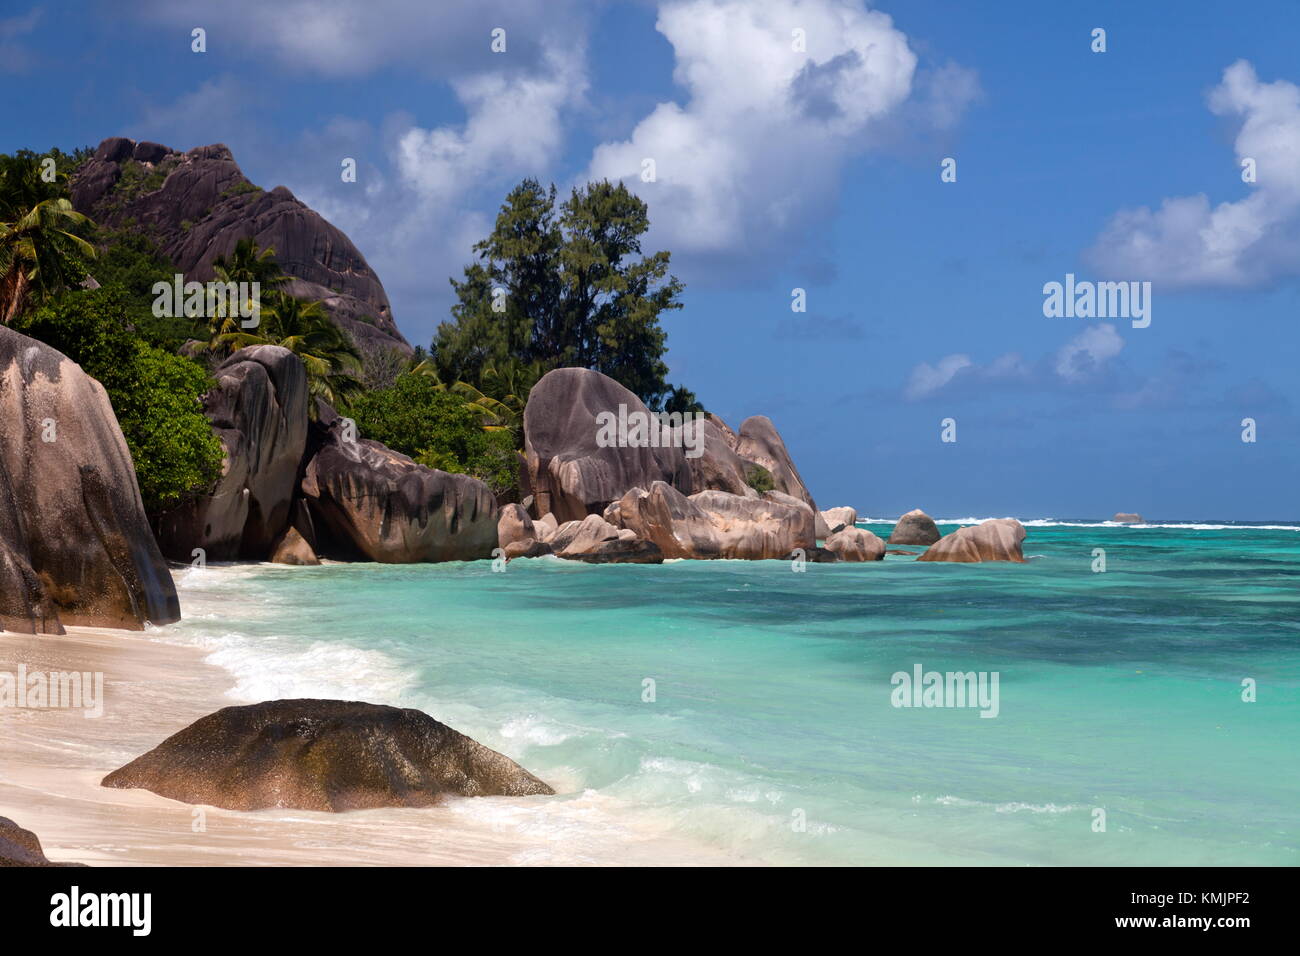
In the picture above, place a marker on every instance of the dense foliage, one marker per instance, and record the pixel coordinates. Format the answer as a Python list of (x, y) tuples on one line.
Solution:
[(155, 394), (436, 427)]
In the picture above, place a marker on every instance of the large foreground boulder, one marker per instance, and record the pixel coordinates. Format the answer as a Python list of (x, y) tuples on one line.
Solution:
[(75, 546), (369, 502), (568, 470), (19, 847), (998, 539), (856, 544), (328, 755), (258, 410), (915, 527)]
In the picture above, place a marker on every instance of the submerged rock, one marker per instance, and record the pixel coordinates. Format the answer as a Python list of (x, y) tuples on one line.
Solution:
[(19, 847), (915, 527), (998, 539), (75, 545), (329, 755)]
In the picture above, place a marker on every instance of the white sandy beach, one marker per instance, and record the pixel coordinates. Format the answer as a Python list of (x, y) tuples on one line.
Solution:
[(51, 763)]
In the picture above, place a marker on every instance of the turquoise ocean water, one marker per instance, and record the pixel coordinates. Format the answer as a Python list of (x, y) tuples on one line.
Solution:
[(772, 735)]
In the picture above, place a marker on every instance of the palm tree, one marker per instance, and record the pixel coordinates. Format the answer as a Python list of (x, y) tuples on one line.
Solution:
[(332, 362), (41, 251), (501, 394), (249, 263)]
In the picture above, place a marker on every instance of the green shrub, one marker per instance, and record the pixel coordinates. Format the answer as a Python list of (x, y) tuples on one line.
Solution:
[(436, 428), (759, 478)]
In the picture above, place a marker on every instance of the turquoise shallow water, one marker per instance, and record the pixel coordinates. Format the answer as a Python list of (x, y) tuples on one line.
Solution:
[(1119, 690)]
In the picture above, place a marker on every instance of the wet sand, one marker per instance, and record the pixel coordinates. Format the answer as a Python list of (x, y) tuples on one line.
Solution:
[(52, 760)]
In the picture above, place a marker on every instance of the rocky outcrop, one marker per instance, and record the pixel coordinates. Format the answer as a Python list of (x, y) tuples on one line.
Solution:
[(596, 541), (514, 525), (258, 410), (368, 502), (75, 546), (292, 548), (197, 205), (718, 467), (839, 518), (760, 442), (19, 847), (714, 524), (998, 539), (569, 473), (1125, 517), (915, 527), (855, 544), (329, 755)]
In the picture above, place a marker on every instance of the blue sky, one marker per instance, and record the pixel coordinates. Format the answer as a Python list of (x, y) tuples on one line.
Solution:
[(816, 169)]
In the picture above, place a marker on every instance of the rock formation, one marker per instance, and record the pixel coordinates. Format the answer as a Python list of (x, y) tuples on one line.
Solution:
[(330, 755), (292, 548), (568, 472), (760, 442), (998, 539), (75, 546), (596, 541), (714, 524), (838, 518), (367, 501), (258, 410), (197, 205), (915, 527), (855, 544)]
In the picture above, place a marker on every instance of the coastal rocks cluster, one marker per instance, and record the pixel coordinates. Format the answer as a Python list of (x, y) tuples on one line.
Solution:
[(325, 755), (293, 489), (75, 544), (684, 492)]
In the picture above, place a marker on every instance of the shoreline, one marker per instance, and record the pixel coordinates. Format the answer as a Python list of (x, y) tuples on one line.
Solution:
[(52, 760)]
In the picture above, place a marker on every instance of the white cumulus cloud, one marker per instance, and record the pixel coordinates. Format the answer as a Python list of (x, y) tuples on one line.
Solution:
[(1246, 242), (757, 146)]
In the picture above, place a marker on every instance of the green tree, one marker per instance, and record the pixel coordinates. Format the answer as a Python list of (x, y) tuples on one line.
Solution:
[(561, 289), (332, 362), (155, 395)]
